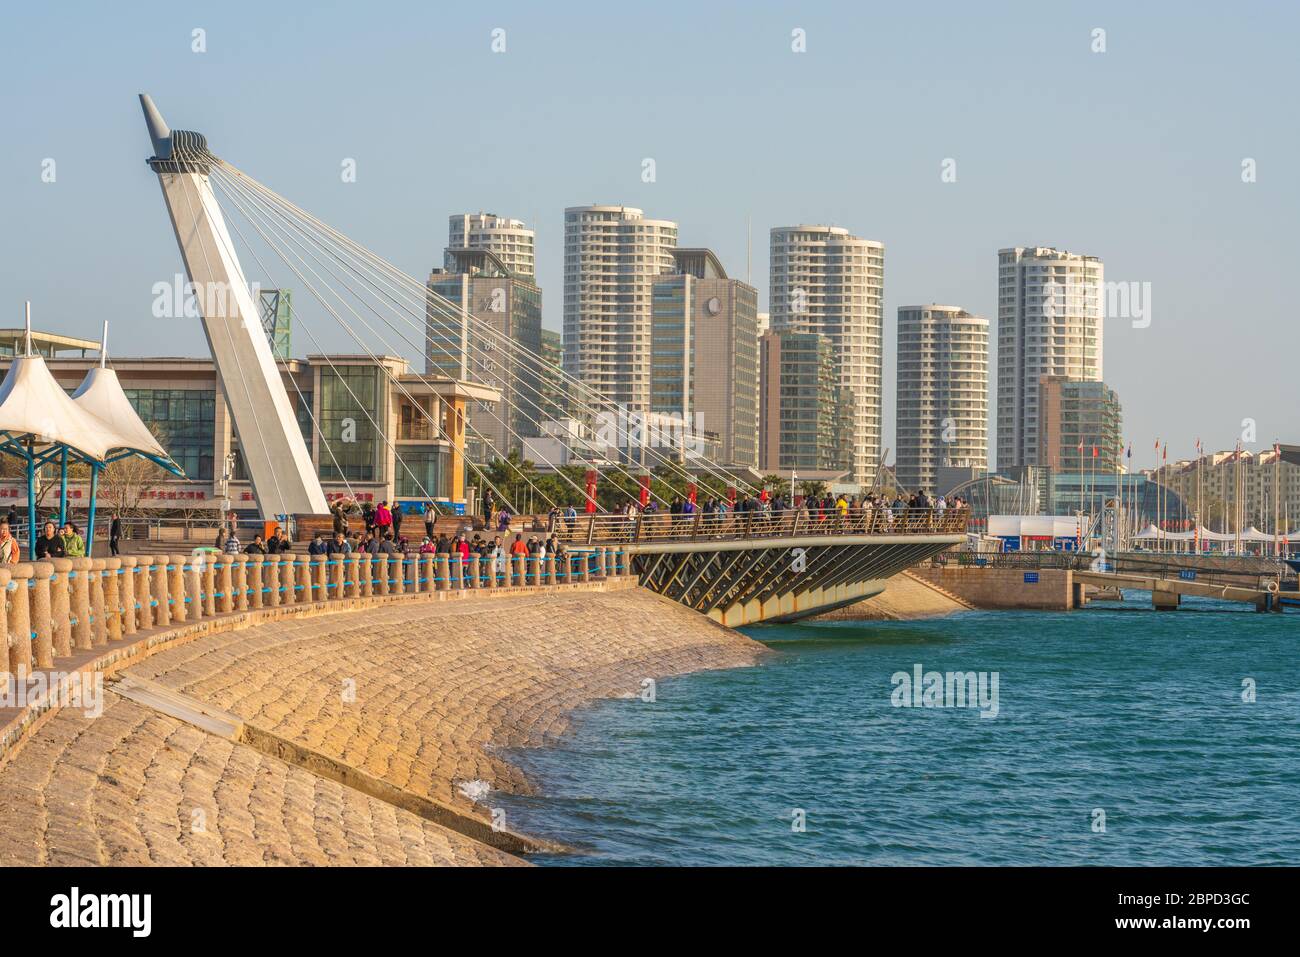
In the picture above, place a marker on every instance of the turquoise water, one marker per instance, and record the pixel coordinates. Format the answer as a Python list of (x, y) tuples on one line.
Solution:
[(1134, 713)]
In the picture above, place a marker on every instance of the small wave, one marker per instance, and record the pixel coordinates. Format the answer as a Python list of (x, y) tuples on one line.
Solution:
[(476, 790)]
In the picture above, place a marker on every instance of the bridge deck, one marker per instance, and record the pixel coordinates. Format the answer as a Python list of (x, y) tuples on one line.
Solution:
[(745, 567)]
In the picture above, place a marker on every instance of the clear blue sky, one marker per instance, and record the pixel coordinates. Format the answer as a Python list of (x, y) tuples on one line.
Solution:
[(1133, 155)]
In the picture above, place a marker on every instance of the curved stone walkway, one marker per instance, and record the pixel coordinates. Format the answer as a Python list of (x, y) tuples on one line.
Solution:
[(420, 695), (136, 787)]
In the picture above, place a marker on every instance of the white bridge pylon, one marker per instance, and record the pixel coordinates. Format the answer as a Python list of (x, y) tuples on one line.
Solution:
[(275, 455)]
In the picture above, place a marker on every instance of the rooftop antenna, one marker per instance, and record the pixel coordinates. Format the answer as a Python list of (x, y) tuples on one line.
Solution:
[(103, 346), (27, 348)]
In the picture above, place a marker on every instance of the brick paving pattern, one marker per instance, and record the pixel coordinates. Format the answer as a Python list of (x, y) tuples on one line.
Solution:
[(420, 695)]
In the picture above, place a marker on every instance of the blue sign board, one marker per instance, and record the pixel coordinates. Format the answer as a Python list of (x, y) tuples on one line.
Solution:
[(1031, 578), (1187, 574)]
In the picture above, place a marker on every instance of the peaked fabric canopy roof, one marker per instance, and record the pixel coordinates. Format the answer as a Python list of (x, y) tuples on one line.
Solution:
[(94, 421), (101, 395), (33, 403)]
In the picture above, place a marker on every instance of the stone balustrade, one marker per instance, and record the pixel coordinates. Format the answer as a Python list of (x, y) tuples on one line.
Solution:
[(65, 607)]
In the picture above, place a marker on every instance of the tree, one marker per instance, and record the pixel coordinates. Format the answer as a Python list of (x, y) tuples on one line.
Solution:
[(124, 484)]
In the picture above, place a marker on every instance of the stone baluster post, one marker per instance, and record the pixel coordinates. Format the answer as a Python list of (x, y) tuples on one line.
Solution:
[(255, 594), (302, 587), (350, 585), (19, 615), (61, 606), (271, 580), (209, 584), (176, 587), (126, 595), (98, 626), (399, 574), (225, 574), (364, 575), (81, 632), (240, 568), (319, 571), (113, 597), (162, 596), (42, 647), (143, 593), (6, 605), (338, 576), (20, 635), (288, 593)]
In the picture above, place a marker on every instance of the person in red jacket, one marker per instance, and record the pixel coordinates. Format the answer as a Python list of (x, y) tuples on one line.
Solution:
[(383, 520)]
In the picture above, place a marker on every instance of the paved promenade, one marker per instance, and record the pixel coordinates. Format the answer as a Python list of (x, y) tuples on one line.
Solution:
[(417, 695)]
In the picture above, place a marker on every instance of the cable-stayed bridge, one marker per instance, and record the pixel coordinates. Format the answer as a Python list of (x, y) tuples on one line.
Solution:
[(736, 566)]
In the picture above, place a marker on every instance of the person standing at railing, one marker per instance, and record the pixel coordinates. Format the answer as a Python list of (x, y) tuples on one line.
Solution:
[(383, 520), (8, 545), (74, 546), (338, 545), (50, 545)]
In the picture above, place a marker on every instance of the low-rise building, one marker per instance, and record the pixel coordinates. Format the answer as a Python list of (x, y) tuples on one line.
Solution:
[(376, 430)]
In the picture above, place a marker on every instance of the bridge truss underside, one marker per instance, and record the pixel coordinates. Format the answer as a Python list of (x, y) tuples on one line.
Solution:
[(745, 582)]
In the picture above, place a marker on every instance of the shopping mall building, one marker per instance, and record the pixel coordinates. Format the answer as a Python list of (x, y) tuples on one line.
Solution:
[(377, 430)]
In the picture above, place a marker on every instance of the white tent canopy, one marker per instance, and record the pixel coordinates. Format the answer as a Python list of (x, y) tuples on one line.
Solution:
[(101, 396), (32, 403), (1251, 534)]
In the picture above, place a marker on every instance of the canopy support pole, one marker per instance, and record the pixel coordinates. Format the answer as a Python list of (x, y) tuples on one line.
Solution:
[(90, 518), (63, 487), (31, 504)]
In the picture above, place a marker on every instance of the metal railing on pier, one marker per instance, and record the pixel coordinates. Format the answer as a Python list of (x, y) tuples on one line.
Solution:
[(642, 527), (1154, 565)]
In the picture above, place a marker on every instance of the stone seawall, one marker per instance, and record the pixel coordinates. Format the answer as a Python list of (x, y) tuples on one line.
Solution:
[(415, 694), (1004, 587)]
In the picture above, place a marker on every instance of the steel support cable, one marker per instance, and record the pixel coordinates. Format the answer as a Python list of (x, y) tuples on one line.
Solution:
[(407, 340), (615, 466), (714, 470), (271, 212), (357, 339), (373, 357)]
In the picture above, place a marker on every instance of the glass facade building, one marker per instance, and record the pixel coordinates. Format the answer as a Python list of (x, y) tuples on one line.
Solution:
[(185, 421)]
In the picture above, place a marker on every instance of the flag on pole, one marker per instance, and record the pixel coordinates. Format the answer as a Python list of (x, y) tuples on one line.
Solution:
[(1094, 451), (1129, 454)]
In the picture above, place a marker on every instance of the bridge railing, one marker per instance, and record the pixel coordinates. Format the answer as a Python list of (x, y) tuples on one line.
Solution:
[(646, 528), (1155, 566), (50, 610)]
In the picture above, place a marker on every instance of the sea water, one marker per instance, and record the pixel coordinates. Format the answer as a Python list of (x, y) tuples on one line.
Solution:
[(1121, 736)]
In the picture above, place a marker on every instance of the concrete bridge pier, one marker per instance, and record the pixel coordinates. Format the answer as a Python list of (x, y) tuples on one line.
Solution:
[(1165, 600)]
